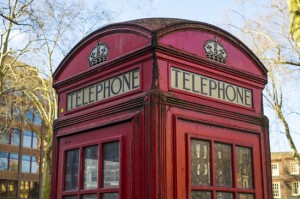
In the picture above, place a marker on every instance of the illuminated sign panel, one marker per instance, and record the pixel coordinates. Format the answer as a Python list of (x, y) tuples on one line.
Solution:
[(108, 88), (209, 87)]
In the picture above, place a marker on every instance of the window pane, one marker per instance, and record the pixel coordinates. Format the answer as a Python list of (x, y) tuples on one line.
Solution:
[(37, 118), (111, 164), (24, 189), (71, 170), (25, 164), (27, 138), (110, 196), (34, 140), (4, 137), (224, 195), (29, 116), (200, 162), (3, 161), (223, 165), (244, 167), (34, 165), (34, 190), (245, 196), (12, 189), (201, 195), (15, 137), (90, 196), (90, 167), (13, 162)]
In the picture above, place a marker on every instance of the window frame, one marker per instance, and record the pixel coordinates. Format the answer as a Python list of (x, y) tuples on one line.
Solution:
[(276, 184), (8, 159), (277, 173), (213, 188), (80, 192), (32, 137), (29, 192), (30, 164), (294, 170), (296, 183), (10, 136)]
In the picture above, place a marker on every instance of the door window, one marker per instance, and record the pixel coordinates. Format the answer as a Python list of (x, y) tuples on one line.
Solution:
[(220, 170), (92, 171)]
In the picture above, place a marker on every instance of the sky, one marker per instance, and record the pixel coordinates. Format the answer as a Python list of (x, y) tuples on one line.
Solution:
[(199, 10), (215, 12)]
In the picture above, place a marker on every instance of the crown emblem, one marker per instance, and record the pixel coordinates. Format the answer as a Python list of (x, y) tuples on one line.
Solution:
[(215, 51), (98, 54)]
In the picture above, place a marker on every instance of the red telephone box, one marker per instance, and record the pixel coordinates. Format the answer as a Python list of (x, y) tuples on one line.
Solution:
[(161, 109)]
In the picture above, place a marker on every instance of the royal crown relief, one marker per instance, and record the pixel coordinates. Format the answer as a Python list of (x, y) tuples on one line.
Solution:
[(215, 51), (98, 54)]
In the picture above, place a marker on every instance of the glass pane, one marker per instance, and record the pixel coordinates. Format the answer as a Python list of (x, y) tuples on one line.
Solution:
[(3, 161), (223, 165), (244, 167), (34, 165), (8, 189), (90, 196), (25, 164), (70, 197), (71, 170), (201, 195), (245, 196), (27, 138), (29, 116), (111, 164), (200, 162), (15, 137), (34, 190), (224, 195), (37, 118), (24, 189), (12, 189), (13, 162), (110, 196), (34, 140), (90, 167), (4, 137)]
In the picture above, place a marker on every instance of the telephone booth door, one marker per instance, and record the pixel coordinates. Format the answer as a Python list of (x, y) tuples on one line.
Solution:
[(217, 163), (92, 163)]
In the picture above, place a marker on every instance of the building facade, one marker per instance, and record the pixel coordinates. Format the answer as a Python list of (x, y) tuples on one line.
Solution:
[(285, 175), (20, 143), (20, 158)]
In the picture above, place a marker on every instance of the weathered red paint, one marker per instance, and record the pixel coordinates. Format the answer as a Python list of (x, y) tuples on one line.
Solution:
[(155, 122)]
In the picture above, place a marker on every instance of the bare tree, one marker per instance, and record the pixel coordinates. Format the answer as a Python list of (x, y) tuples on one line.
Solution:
[(268, 36)]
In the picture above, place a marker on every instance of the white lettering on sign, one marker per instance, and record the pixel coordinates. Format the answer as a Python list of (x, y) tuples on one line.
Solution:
[(205, 86), (112, 87)]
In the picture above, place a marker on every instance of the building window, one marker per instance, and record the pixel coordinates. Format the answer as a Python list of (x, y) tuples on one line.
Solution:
[(30, 139), (9, 161), (29, 189), (33, 117), (276, 189), (10, 137), (30, 164), (275, 169), (294, 168), (8, 189), (103, 157), (295, 188), (231, 163)]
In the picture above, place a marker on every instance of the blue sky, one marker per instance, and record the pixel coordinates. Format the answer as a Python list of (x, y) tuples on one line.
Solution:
[(200, 10)]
